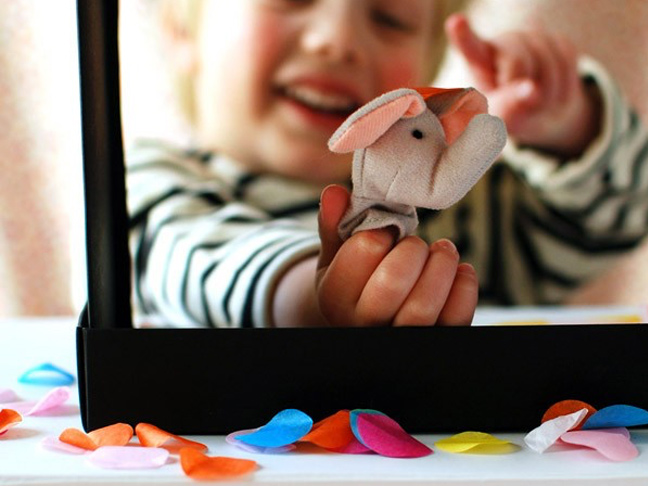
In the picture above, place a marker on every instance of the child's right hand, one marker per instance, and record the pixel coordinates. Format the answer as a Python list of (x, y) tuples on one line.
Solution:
[(370, 281)]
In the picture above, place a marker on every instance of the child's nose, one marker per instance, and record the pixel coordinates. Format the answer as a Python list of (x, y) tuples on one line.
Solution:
[(332, 32)]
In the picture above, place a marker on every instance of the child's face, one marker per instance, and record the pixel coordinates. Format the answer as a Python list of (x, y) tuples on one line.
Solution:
[(275, 78)]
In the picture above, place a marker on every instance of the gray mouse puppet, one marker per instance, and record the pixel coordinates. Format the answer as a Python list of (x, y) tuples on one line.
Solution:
[(423, 147)]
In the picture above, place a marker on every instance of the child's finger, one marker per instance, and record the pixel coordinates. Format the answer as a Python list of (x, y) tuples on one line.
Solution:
[(568, 56), (548, 65), (333, 204), (478, 53), (341, 283), (428, 297), (459, 309), (392, 281), (514, 102)]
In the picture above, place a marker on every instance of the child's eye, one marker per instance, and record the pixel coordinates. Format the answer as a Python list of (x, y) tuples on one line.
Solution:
[(390, 21)]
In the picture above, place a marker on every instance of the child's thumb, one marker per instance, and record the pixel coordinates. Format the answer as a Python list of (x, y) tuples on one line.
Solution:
[(333, 204)]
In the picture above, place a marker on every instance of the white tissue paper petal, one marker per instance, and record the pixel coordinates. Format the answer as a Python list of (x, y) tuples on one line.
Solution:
[(544, 436)]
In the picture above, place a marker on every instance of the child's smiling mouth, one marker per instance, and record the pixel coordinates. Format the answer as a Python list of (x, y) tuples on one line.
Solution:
[(318, 100), (318, 106)]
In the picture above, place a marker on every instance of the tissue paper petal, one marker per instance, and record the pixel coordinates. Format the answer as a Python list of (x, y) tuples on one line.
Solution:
[(385, 436), (544, 436), (46, 374), (50, 402), (232, 440), (612, 443), (124, 457), (8, 418), (617, 416), (7, 395), (475, 442), (333, 432), (197, 465), (152, 436), (353, 447), (565, 407), (54, 444), (113, 435), (286, 427)]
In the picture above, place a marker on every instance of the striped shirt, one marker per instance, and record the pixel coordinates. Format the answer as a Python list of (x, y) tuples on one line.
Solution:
[(209, 239)]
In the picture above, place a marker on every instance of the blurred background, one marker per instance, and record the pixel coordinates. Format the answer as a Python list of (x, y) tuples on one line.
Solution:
[(42, 254)]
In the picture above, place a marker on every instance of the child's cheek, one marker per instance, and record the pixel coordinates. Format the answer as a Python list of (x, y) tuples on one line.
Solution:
[(401, 72), (266, 42)]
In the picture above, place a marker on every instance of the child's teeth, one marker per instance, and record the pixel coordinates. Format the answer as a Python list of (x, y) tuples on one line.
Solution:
[(319, 100)]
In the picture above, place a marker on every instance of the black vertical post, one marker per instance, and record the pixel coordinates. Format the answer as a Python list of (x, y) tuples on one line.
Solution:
[(109, 266)]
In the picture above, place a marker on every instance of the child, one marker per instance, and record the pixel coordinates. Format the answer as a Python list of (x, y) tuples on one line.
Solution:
[(228, 237)]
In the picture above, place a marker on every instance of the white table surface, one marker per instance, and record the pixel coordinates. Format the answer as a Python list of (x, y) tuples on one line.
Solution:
[(28, 342)]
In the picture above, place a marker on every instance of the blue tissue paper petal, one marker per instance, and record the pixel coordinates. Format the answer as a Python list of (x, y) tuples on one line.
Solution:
[(46, 374), (287, 427), (617, 416)]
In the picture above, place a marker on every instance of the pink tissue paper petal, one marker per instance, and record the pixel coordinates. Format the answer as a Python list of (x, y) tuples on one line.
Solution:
[(612, 443), (7, 395), (128, 457), (548, 433), (54, 444), (353, 447), (51, 401), (232, 440), (385, 436)]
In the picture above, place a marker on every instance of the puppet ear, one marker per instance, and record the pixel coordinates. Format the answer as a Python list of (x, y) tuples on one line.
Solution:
[(455, 108), (372, 120)]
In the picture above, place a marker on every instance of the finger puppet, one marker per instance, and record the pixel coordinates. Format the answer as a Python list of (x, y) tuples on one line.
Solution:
[(423, 147)]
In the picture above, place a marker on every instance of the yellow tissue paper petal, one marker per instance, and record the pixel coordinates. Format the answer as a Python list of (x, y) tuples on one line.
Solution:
[(475, 443)]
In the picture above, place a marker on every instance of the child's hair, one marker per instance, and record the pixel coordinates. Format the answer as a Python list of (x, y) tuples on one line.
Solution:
[(185, 14)]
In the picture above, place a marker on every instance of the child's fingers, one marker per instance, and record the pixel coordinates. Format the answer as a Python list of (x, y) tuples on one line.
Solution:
[(428, 297), (478, 53), (568, 56), (333, 204), (391, 282), (459, 309), (342, 282), (514, 58), (514, 102), (549, 66)]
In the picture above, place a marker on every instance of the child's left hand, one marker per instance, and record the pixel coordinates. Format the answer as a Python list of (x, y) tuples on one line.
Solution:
[(532, 82)]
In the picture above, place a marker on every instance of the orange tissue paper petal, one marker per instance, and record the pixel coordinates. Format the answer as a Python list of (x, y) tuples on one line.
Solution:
[(113, 435), (77, 438), (565, 407), (333, 432), (152, 436), (197, 465), (8, 418)]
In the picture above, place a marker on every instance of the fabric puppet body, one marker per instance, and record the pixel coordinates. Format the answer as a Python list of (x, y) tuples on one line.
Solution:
[(423, 147)]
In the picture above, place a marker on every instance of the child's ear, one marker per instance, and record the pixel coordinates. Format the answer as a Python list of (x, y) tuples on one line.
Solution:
[(178, 39)]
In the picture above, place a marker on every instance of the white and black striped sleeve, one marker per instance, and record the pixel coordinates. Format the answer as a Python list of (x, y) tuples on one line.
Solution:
[(200, 257)]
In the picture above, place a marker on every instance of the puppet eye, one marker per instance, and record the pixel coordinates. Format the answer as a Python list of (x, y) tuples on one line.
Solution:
[(417, 134)]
